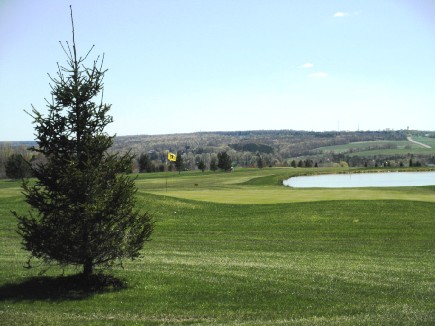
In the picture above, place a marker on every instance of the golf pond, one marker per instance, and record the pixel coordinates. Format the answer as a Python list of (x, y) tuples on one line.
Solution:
[(360, 180)]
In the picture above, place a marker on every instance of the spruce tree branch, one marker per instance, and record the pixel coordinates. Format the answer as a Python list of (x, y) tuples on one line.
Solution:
[(83, 59), (73, 37), (102, 96), (68, 54), (101, 65)]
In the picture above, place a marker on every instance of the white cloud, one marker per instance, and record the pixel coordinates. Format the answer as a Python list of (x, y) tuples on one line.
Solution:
[(318, 75), (307, 65), (341, 14)]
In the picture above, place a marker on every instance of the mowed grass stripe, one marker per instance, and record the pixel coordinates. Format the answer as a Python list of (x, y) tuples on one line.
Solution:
[(251, 195)]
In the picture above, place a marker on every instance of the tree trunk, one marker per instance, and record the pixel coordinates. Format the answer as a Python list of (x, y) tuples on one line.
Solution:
[(88, 268)]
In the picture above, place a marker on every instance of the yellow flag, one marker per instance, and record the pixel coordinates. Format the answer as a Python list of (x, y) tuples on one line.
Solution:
[(172, 157)]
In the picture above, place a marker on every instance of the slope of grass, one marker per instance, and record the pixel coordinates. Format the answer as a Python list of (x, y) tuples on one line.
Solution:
[(425, 140), (335, 262), (372, 148)]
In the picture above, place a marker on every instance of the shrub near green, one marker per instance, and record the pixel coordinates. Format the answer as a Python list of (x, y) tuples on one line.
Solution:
[(330, 262)]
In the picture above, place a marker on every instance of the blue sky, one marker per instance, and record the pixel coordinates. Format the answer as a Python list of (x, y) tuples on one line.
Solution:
[(187, 66)]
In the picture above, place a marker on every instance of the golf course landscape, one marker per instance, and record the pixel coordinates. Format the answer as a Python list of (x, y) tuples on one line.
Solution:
[(239, 248)]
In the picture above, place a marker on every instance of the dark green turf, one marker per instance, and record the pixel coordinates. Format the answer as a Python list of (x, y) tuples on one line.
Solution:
[(317, 263)]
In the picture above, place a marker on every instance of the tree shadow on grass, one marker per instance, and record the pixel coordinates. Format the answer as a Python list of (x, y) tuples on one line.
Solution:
[(60, 288)]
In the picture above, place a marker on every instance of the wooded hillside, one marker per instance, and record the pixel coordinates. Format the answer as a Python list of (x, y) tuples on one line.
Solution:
[(285, 143), (247, 148), (259, 148)]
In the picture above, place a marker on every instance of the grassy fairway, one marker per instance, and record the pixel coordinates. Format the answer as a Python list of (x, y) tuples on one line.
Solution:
[(265, 187), (304, 263)]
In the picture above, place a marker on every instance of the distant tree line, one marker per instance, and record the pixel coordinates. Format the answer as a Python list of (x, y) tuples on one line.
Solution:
[(252, 147), (275, 148), (184, 162), (304, 164), (261, 148)]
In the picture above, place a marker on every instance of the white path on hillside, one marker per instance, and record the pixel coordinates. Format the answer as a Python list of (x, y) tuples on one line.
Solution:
[(418, 143)]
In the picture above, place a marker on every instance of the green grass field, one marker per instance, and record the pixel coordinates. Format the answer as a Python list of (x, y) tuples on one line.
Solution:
[(371, 148), (240, 249), (425, 140)]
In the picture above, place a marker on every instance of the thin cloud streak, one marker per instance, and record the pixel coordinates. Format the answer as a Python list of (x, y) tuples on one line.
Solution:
[(318, 75), (307, 65), (341, 14)]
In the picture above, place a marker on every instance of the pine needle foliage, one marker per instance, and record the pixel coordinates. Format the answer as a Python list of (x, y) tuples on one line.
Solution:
[(82, 203)]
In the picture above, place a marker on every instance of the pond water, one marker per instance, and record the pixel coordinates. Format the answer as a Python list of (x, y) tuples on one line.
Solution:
[(358, 180)]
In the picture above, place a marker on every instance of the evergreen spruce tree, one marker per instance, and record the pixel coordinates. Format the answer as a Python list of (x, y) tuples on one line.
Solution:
[(213, 164), (201, 165), (224, 161), (83, 208), (17, 167), (260, 163), (145, 164), (179, 163)]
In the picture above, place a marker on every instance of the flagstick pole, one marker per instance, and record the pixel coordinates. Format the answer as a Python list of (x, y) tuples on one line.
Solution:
[(167, 171), (171, 158)]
